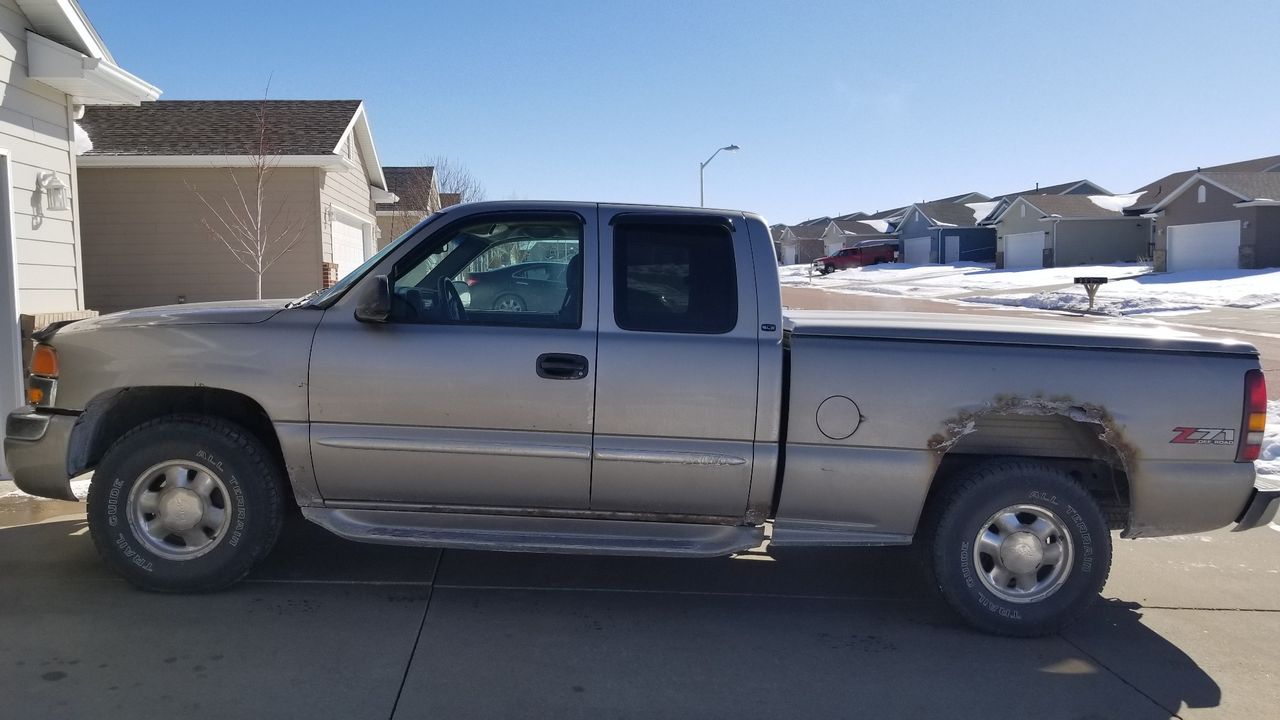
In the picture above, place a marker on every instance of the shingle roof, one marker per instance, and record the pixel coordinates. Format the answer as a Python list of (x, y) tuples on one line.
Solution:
[(807, 232), (1070, 206), (886, 214), (814, 221), (948, 212), (1253, 185), (217, 127), (851, 216), (857, 228), (1049, 190), (449, 199), (967, 197), (408, 183), (1154, 192)]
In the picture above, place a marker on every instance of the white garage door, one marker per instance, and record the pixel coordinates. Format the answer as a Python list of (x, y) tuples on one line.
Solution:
[(788, 254), (348, 246), (952, 243), (915, 251), (1024, 250), (1204, 246)]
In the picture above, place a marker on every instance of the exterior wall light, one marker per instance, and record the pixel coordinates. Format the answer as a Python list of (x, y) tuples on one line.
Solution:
[(57, 196)]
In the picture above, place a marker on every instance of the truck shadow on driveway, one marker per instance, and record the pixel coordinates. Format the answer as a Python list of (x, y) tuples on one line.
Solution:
[(328, 628)]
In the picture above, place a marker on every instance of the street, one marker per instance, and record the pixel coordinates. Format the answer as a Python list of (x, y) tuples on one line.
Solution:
[(328, 628)]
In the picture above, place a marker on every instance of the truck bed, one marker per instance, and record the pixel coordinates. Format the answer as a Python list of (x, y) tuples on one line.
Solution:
[(992, 330)]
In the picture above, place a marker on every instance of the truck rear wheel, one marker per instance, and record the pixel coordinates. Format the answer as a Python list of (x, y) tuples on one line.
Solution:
[(1017, 547), (185, 504)]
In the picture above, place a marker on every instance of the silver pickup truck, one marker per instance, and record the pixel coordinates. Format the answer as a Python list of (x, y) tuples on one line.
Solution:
[(592, 378)]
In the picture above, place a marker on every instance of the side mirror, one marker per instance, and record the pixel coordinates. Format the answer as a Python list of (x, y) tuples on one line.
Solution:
[(374, 304)]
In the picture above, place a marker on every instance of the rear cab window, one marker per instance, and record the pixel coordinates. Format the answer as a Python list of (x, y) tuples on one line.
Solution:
[(674, 278)]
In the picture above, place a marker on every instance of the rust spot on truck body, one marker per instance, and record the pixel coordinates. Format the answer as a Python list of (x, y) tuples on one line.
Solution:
[(966, 422)]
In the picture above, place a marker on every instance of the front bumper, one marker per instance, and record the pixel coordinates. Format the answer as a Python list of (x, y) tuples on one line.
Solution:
[(35, 449), (1262, 506)]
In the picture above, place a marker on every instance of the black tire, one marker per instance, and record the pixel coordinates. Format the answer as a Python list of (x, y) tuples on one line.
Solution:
[(252, 502), (517, 301), (828, 269), (961, 575)]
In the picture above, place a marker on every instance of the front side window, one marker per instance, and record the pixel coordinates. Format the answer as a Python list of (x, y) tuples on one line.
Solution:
[(674, 278), (525, 272)]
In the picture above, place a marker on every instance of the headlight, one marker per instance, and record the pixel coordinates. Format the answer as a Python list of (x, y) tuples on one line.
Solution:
[(42, 382)]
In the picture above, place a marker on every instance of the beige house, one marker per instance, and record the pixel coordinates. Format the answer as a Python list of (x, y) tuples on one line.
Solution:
[(53, 65), (417, 196), (156, 172)]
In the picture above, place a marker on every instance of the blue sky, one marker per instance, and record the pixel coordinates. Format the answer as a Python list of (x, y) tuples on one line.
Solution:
[(838, 106)]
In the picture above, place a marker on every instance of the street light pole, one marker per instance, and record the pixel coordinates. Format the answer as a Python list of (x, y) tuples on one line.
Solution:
[(702, 197)]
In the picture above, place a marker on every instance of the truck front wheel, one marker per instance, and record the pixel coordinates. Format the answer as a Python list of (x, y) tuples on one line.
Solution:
[(185, 504), (1017, 547)]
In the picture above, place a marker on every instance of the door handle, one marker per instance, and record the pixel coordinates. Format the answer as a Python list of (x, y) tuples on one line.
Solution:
[(561, 366)]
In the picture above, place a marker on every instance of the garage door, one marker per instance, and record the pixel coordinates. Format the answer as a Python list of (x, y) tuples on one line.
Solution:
[(348, 246), (1204, 246), (788, 254), (1024, 250), (915, 251), (952, 245)]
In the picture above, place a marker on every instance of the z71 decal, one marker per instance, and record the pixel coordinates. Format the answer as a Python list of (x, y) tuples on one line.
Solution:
[(1203, 436)]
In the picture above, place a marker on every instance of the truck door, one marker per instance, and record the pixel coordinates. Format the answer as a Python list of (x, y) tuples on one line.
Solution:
[(462, 399), (677, 364)]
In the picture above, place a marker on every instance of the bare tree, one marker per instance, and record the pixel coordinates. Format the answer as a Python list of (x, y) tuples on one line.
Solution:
[(256, 231), (454, 177)]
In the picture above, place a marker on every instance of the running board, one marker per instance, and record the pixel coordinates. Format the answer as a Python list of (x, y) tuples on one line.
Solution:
[(535, 534)]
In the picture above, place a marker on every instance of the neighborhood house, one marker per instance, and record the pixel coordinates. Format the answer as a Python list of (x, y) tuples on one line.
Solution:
[(164, 179), (55, 66)]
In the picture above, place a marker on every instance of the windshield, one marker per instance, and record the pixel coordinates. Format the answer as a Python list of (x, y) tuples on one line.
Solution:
[(334, 291)]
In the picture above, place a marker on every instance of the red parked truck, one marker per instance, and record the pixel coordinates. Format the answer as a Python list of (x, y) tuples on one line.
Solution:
[(868, 252)]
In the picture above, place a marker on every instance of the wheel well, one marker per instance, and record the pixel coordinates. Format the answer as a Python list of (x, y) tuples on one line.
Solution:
[(1075, 446), (109, 416)]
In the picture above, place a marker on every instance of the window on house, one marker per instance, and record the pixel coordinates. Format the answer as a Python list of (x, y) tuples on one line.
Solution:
[(674, 278), (1200, 194)]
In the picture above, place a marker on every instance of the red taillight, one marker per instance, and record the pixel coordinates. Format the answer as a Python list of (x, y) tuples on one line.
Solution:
[(472, 280), (1254, 423)]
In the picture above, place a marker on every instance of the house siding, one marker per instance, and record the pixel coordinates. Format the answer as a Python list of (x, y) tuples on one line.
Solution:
[(35, 127), (1093, 242), (1079, 242), (976, 244), (1218, 206), (916, 225), (1266, 237), (347, 190), (144, 242)]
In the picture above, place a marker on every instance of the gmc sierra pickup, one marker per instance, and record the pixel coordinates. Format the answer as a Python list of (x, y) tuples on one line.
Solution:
[(663, 404)]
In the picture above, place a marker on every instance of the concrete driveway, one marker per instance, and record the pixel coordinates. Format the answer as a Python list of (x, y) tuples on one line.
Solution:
[(331, 629)]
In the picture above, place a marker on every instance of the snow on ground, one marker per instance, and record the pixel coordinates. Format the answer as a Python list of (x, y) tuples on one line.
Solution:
[(1160, 292), (1269, 459), (1133, 288), (944, 281)]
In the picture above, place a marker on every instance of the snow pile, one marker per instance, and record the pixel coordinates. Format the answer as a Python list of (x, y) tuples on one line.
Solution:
[(1114, 203), (1070, 301), (981, 209), (1269, 459), (1190, 291)]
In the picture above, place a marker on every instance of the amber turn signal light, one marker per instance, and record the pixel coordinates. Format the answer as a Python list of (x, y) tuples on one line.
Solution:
[(44, 361)]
